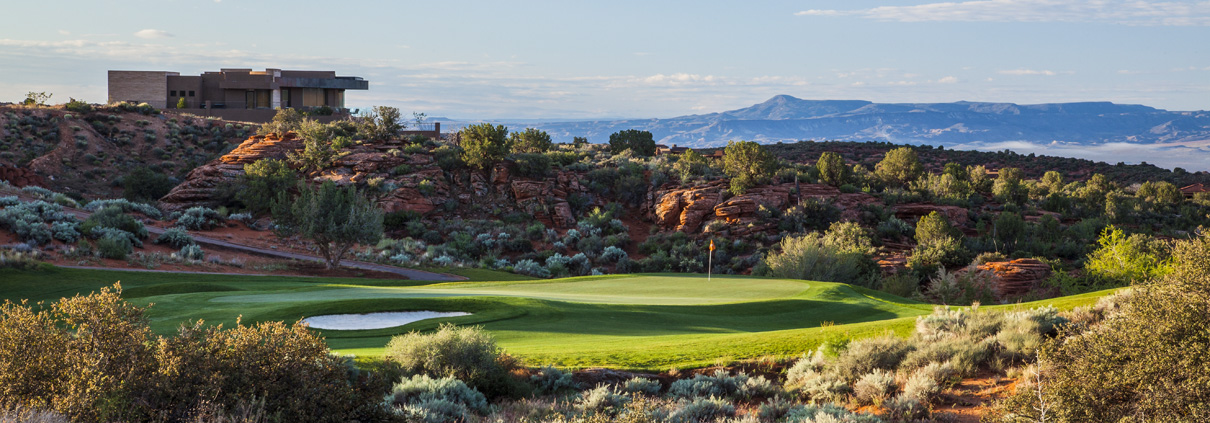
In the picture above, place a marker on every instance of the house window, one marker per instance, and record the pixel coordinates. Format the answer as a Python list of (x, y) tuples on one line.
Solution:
[(191, 93), (172, 93)]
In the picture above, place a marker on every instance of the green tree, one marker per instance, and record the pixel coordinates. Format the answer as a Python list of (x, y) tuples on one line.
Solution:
[(1053, 181), (579, 141), (144, 184), (977, 175), (285, 120), (36, 98), (748, 164), (320, 147), (639, 142), (1145, 363), (1124, 259), (1162, 193), (935, 228), (957, 171), (381, 123), (180, 103), (689, 165), (832, 169), (899, 167), (333, 218), (484, 144), (262, 181), (1008, 188), (530, 141)]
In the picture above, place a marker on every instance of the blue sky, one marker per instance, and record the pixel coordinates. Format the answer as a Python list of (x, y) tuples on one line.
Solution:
[(634, 59)]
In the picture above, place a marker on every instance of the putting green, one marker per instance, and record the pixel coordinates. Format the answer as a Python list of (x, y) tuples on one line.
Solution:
[(648, 290), (642, 322)]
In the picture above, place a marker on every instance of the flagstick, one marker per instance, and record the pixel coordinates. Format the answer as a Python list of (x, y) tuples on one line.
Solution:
[(710, 262)]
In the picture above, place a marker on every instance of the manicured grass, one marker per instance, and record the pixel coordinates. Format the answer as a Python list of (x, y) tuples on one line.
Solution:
[(642, 322)]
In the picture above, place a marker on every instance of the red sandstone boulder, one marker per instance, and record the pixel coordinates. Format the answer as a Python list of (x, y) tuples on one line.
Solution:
[(1016, 277)]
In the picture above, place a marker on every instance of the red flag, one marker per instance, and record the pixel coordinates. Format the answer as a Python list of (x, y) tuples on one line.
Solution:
[(712, 245)]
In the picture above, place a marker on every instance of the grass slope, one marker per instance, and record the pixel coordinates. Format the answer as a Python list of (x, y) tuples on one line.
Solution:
[(642, 322)]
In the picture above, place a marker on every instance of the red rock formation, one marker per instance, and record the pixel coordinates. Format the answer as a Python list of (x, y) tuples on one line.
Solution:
[(21, 177), (685, 209), (198, 187), (744, 206), (1016, 277)]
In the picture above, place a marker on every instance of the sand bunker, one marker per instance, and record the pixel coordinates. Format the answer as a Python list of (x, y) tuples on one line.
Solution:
[(375, 320)]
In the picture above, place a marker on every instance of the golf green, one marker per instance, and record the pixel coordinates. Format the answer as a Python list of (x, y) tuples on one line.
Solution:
[(642, 322)]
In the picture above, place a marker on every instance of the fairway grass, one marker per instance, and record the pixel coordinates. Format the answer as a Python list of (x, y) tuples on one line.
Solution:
[(640, 322)]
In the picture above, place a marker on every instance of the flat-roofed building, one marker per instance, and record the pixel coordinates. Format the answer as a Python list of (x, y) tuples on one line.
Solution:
[(235, 89)]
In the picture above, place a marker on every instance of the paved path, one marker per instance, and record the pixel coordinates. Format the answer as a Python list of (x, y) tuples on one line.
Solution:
[(413, 274)]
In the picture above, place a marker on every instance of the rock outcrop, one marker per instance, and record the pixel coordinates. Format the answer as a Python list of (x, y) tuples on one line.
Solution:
[(685, 209), (199, 186), (20, 177), (1016, 277)]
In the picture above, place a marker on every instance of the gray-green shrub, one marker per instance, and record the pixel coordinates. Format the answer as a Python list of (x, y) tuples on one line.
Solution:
[(551, 380), (722, 385), (198, 218), (874, 387), (601, 398), (192, 252), (866, 355), (827, 413), (466, 353), (175, 237), (642, 385), (420, 388), (702, 410)]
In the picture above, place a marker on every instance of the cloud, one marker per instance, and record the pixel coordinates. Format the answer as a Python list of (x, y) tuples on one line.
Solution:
[(1124, 12), (947, 80), (153, 34), (1021, 72)]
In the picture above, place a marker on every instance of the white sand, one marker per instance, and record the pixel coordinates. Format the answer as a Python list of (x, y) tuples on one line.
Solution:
[(375, 320)]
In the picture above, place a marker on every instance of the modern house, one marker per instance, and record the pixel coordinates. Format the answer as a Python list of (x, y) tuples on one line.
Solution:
[(239, 94)]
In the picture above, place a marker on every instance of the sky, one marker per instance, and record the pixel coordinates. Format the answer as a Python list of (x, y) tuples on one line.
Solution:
[(631, 59)]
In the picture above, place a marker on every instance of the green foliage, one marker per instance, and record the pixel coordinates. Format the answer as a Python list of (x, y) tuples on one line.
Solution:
[(285, 120), (1162, 193), (1138, 365), (531, 165), (465, 353), (333, 218), (819, 258), (198, 218), (114, 247), (748, 164), (899, 167), (180, 104), (380, 123), (832, 169), (113, 217), (1008, 187), (530, 141), (1125, 259), (77, 106), (36, 98), (423, 398), (639, 142), (551, 381), (175, 237), (934, 228), (484, 144), (320, 149), (144, 184), (262, 181), (722, 385), (689, 165)]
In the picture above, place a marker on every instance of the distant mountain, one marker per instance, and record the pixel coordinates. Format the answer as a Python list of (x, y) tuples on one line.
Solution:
[(786, 118)]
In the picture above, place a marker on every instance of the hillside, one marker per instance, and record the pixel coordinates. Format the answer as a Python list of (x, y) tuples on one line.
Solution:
[(86, 151), (787, 119)]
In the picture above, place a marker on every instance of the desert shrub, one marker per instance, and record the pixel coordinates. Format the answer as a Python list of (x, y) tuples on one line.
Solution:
[(531, 268), (484, 144), (601, 398), (113, 217), (874, 387), (642, 385), (827, 413), (722, 385), (905, 408), (64, 231), (866, 355), (894, 229), (466, 353), (126, 206), (198, 218), (530, 141), (551, 381), (702, 410), (10, 200), (192, 252), (899, 167), (613, 254), (422, 398), (262, 181), (823, 386), (114, 247), (804, 368), (144, 184), (809, 215), (175, 237), (1125, 259), (814, 257), (921, 386)]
